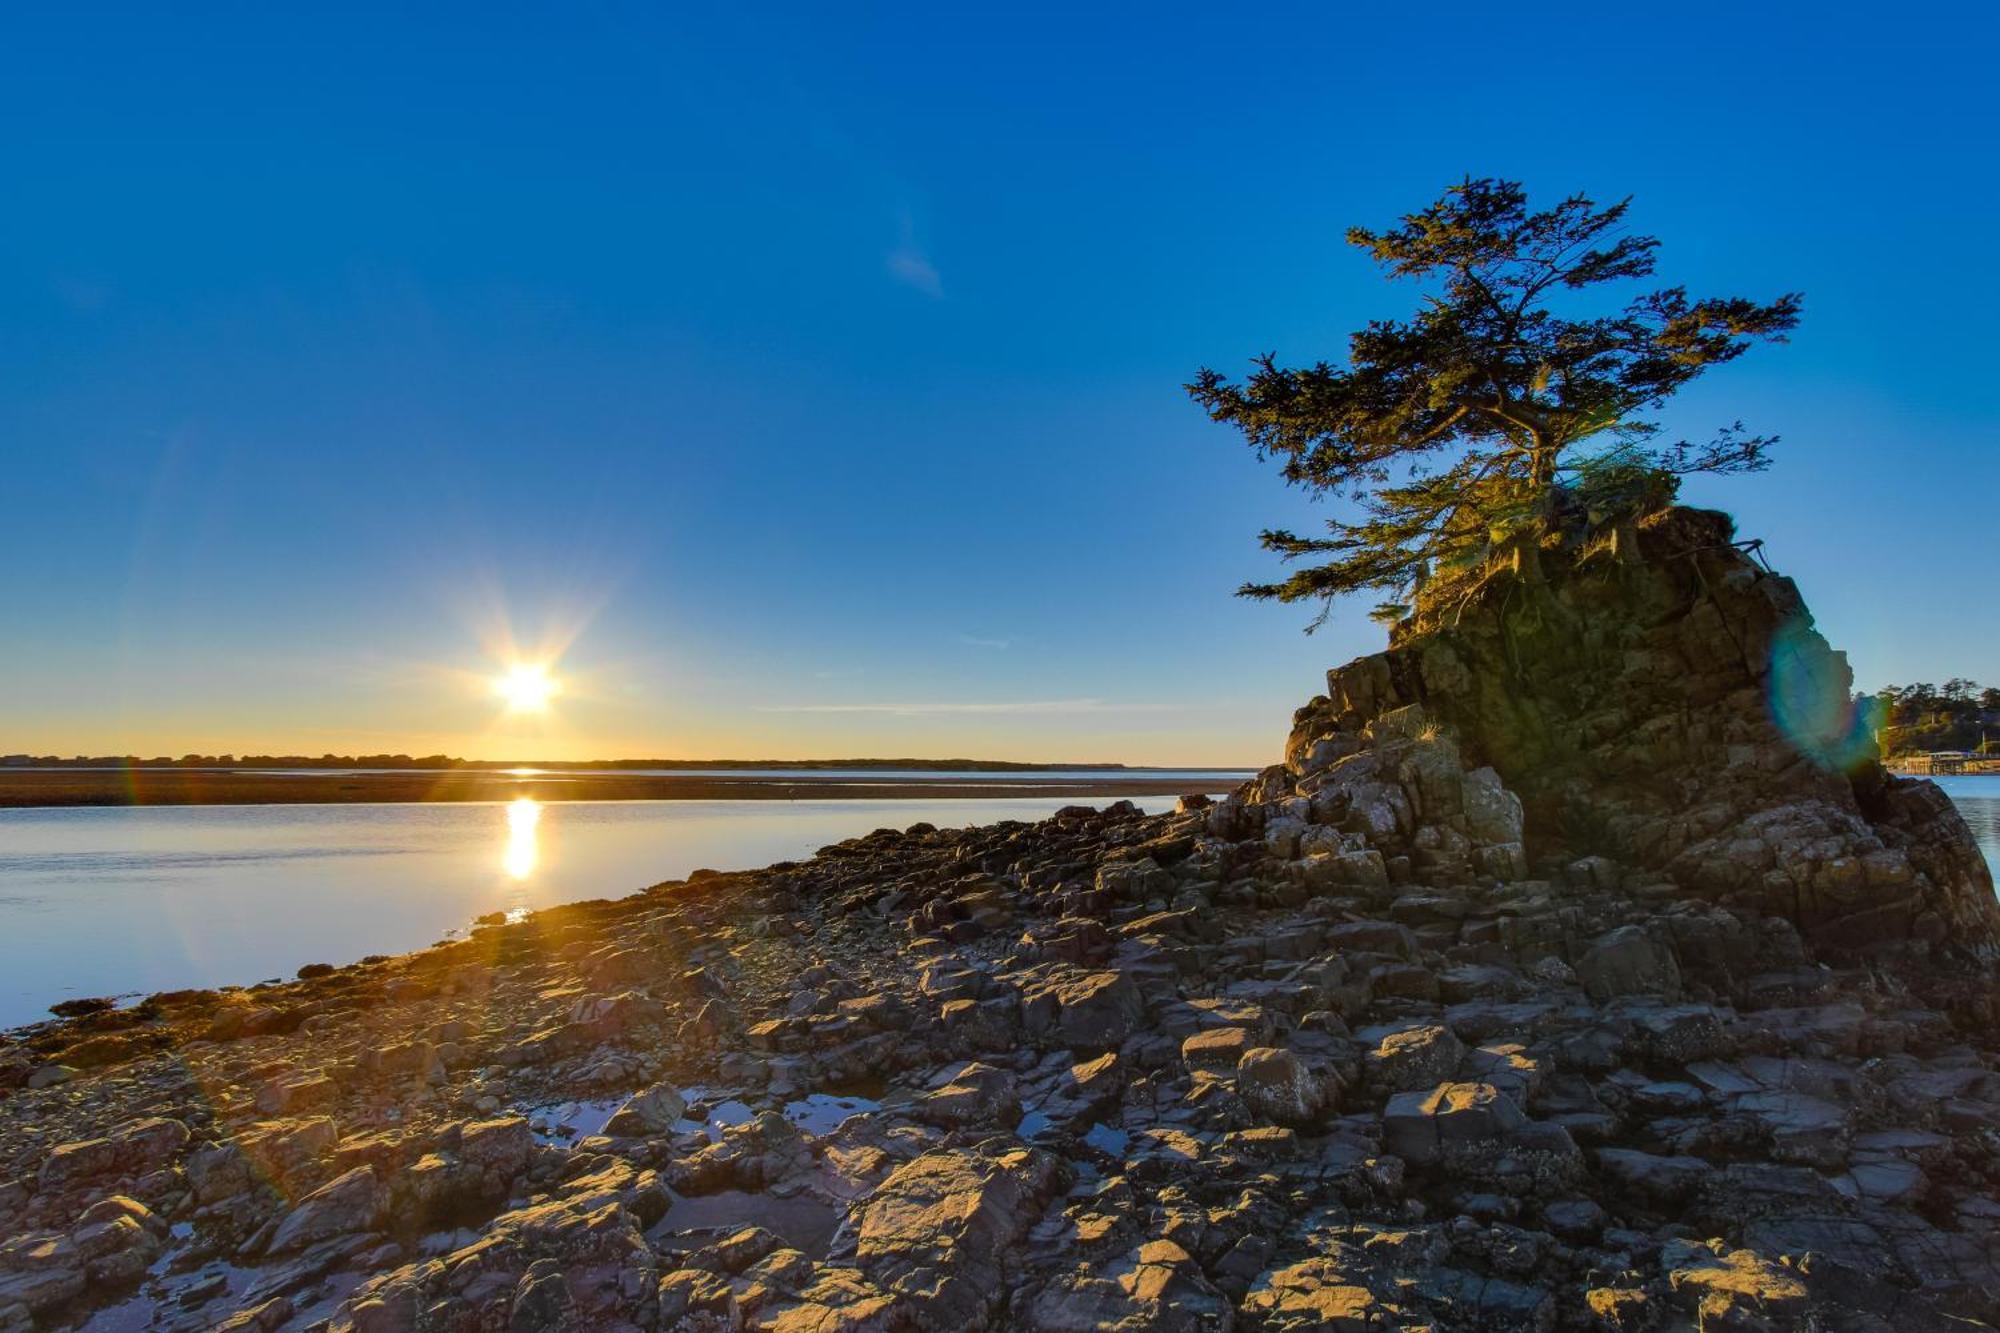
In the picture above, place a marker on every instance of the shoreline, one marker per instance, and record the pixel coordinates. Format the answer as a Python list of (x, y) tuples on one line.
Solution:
[(49, 789), (843, 1065)]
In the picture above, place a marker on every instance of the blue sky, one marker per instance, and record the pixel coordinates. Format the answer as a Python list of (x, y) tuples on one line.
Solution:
[(806, 378)]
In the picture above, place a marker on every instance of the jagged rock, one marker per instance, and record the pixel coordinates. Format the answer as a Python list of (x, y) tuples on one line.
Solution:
[(654, 1110), (1659, 1181), (1156, 1286), (939, 1231), (975, 1094), (1629, 960), (350, 1203), (1683, 710), (1313, 1294), (1420, 1126), (116, 1240), (1217, 1048), (1730, 1289), (1093, 1011), (1477, 1131), (132, 1149), (1415, 1057), (1276, 1085)]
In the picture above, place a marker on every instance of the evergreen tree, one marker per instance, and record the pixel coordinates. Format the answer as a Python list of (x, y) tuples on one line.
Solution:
[(1460, 431)]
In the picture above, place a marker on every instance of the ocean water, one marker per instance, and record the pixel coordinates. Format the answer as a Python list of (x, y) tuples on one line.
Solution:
[(1978, 799), (121, 901)]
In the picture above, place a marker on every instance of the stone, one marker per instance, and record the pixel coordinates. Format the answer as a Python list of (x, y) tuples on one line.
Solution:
[(1276, 1085), (350, 1203), (1216, 1048), (70, 1163), (648, 1112), (1657, 1181), (1415, 1057), (939, 1231), (1731, 1288), (1158, 1285), (977, 1094), (1313, 1294), (1357, 868), (1087, 1012), (1629, 960), (117, 1248), (1424, 1126)]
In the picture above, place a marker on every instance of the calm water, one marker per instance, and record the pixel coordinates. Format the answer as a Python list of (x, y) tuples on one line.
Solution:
[(112, 901), (1027, 778), (1978, 799), (101, 901)]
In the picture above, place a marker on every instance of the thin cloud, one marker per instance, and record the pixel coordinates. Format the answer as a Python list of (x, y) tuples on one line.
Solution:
[(909, 265), (1013, 707), (974, 641)]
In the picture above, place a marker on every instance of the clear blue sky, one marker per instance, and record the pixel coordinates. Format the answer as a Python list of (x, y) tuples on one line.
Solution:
[(809, 375)]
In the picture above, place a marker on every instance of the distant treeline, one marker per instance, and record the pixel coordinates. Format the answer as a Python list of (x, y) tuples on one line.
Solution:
[(1916, 719), (428, 761)]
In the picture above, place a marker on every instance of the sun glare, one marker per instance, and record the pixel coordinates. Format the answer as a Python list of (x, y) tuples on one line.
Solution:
[(527, 689), (524, 817)]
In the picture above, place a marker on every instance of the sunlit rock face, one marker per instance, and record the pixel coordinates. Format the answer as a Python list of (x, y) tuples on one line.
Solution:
[(1677, 713)]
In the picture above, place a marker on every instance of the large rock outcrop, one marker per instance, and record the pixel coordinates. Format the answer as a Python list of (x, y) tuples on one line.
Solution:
[(1676, 712), (1528, 994)]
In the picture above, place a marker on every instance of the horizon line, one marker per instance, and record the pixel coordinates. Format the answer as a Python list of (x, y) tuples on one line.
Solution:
[(195, 760)]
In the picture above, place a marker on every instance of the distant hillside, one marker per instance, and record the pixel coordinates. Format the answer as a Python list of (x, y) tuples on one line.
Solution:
[(1921, 718)]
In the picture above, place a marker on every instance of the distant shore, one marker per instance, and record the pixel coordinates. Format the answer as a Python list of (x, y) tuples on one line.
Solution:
[(168, 786)]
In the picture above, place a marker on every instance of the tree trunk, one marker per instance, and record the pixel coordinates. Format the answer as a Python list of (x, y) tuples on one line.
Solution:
[(1544, 480)]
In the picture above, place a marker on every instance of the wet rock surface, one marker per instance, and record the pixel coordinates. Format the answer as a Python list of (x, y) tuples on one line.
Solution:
[(1360, 1047)]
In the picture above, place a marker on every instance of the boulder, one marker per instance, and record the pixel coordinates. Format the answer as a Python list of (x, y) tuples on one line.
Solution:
[(1313, 1294), (650, 1112), (1728, 1289), (350, 1203), (1156, 1286), (939, 1232), (1092, 1011), (1217, 1048), (1276, 1085), (976, 1094), (1415, 1057), (133, 1149), (1630, 960)]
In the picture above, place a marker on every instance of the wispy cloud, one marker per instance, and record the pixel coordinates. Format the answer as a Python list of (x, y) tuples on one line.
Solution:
[(1051, 707), (974, 641), (909, 265)]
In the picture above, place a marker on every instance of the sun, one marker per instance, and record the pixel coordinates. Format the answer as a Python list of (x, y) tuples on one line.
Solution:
[(527, 688)]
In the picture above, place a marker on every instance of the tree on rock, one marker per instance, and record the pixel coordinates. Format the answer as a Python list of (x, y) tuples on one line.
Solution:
[(1472, 428)]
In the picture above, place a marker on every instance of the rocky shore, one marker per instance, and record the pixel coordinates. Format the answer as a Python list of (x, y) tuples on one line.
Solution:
[(1553, 981)]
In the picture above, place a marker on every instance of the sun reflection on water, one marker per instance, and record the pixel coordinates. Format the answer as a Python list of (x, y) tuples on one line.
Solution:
[(524, 817)]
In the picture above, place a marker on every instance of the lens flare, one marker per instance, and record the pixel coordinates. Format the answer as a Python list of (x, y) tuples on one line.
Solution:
[(1809, 686), (524, 817)]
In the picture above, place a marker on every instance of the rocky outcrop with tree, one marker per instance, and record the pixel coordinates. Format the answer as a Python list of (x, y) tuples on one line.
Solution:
[(1673, 708), (1579, 968), (1482, 1011)]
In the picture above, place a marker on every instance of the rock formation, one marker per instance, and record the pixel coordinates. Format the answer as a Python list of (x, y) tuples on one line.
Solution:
[(1676, 712), (1579, 969)]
